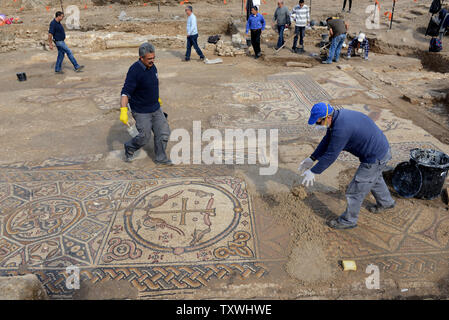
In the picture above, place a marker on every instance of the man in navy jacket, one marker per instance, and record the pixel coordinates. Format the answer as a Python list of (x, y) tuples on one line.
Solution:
[(357, 134), (56, 34), (141, 90)]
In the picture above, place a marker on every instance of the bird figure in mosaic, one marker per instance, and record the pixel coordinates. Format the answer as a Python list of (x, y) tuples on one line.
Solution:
[(155, 223)]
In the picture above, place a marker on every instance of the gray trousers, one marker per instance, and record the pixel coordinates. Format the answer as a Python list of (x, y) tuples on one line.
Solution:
[(145, 123), (368, 177)]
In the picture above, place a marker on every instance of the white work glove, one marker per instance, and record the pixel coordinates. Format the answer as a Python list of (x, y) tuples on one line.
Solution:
[(365, 58), (348, 56), (309, 178), (305, 164)]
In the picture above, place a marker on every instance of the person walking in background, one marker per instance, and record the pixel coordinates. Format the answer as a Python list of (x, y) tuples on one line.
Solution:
[(344, 5), (256, 23), (301, 15), (337, 31), (56, 34), (282, 19), (192, 34)]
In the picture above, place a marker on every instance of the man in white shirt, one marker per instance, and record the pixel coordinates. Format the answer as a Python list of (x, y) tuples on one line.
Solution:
[(192, 34), (301, 15)]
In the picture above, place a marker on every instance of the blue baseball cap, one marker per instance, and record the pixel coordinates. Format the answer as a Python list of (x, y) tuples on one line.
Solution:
[(319, 110)]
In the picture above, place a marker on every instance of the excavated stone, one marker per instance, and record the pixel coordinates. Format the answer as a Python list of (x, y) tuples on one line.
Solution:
[(27, 287)]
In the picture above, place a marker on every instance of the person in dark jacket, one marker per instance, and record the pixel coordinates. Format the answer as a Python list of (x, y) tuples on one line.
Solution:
[(56, 34), (255, 23), (356, 133), (141, 90)]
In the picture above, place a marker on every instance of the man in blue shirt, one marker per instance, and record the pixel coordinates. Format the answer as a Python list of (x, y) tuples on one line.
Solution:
[(255, 23), (357, 134), (56, 33), (141, 91), (192, 34)]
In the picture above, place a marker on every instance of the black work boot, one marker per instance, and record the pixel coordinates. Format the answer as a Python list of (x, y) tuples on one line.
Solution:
[(129, 157), (375, 208), (335, 224)]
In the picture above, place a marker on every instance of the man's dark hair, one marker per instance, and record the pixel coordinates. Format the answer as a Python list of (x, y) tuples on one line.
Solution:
[(255, 8), (301, 1), (59, 13), (330, 18), (190, 8)]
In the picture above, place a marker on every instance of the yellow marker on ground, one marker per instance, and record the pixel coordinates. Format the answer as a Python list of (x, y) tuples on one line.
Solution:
[(349, 265)]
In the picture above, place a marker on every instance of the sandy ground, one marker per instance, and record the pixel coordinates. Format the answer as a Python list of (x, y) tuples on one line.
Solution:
[(76, 114)]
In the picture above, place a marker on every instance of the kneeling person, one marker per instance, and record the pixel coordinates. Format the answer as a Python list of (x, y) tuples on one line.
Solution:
[(359, 45), (357, 134), (141, 90)]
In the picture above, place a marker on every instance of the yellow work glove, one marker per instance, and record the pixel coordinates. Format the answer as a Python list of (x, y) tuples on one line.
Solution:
[(124, 115), (160, 101)]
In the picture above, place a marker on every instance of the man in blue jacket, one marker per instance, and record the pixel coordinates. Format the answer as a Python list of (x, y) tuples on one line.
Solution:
[(255, 23), (357, 134), (141, 90)]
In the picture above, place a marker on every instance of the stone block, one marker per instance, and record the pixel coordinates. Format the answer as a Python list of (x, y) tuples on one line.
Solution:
[(298, 64), (27, 287)]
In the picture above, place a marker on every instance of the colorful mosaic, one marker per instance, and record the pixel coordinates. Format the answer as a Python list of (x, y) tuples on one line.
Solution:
[(71, 162), (282, 103), (105, 98), (409, 244), (158, 233)]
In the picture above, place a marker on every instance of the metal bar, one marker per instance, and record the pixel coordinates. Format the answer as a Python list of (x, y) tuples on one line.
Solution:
[(392, 13)]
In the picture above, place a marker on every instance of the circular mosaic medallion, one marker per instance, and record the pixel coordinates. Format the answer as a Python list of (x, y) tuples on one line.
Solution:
[(182, 217), (42, 219)]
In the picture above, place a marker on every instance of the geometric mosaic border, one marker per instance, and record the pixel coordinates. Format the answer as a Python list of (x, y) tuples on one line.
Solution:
[(147, 279)]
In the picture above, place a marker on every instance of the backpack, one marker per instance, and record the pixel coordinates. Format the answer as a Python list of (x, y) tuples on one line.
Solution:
[(213, 39), (435, 45), (435, 6)]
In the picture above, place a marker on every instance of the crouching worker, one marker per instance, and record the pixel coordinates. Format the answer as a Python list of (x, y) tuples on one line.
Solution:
[(357, 134), (141, 90), (358, 46)]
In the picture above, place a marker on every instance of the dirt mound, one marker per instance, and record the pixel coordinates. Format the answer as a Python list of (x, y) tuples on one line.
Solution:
[(299, 191), (309, 261)]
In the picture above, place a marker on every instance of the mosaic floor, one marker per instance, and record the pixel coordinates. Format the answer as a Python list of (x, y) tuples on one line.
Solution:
[(410, 245), (161, 229), (282, 102), (175, 230)]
